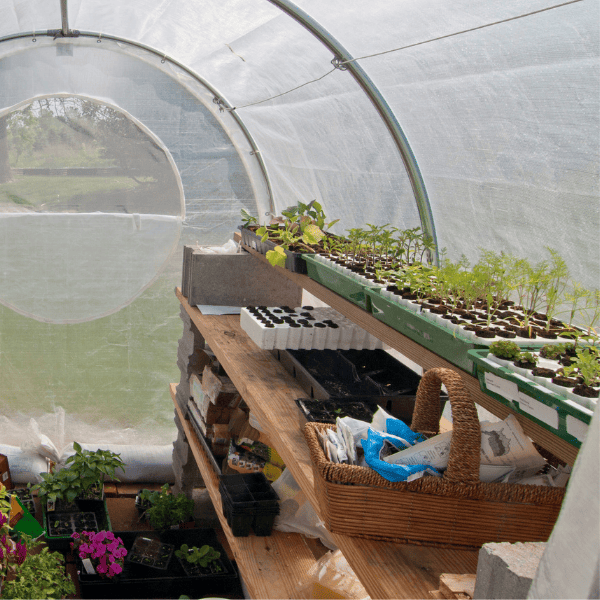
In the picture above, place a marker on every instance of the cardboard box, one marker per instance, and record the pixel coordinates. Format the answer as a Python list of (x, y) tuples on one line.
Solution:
[(219, 389), (5, 478)]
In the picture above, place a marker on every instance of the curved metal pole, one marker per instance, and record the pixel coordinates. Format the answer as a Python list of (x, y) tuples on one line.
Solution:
[(219, 98), (64, 14), (382, 107)]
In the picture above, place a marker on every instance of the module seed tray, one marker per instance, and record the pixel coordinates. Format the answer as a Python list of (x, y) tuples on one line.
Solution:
[(338, 281), (444, 342), (555, 413), (307, 328)]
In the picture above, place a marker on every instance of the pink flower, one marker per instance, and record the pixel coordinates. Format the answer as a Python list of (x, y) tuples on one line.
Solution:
[(114, 569), (100, 536), (75, 535), (101, 568)]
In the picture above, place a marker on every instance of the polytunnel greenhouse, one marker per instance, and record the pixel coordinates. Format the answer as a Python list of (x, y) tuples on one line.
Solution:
[(176, 176)]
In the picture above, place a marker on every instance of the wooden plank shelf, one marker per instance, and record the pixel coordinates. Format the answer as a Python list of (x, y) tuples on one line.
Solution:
[(386, 570), (272, 566), (427, 359)]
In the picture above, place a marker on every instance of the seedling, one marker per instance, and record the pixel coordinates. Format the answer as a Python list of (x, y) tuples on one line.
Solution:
[(204, 556), (505, 349)]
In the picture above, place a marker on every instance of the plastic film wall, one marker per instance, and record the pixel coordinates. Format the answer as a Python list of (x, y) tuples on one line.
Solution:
[(498, 102)]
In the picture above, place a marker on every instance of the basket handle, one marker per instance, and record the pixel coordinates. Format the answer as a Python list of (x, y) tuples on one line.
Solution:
[(465, 446)]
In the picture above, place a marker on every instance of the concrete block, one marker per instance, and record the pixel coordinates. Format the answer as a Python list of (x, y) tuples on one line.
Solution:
[(234, 280), (506, 570)]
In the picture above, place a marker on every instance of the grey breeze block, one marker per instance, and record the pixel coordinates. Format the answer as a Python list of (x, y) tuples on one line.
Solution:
[(234, 280)]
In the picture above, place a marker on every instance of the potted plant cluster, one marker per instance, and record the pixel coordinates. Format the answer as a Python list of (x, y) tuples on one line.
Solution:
[(72, 498), (299, 230), (169, 510), (100, 555)]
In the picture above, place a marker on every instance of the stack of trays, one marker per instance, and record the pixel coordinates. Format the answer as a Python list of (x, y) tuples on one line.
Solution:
[(304, 328), (249, 502)]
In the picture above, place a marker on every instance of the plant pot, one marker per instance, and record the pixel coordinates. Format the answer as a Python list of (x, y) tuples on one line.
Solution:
[(248, 502), (294, 260)]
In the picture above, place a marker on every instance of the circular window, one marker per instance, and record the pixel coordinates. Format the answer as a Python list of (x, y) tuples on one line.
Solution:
[(91, 208)]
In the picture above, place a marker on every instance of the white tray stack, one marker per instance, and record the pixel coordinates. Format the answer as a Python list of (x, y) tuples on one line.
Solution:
[(304, 328)]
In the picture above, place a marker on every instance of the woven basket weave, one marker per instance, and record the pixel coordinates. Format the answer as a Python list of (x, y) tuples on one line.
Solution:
[(456, 510)]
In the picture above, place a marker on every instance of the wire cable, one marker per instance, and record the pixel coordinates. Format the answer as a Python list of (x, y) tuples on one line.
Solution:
[(339, 63), (443, 37)]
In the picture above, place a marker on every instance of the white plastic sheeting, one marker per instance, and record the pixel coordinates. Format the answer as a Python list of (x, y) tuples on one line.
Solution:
[(499, 103)]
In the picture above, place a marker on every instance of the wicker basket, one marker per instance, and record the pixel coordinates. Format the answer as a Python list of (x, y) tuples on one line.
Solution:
[(456, 510)]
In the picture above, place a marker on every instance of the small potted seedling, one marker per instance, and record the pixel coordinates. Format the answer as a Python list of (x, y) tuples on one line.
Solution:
[(144, 500), (169, 510), (526, 360), (199, 561), (505, 350)]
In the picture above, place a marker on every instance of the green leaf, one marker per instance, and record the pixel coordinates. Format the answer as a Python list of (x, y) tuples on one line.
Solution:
[(276, 256), (76, 447), (312, 234)]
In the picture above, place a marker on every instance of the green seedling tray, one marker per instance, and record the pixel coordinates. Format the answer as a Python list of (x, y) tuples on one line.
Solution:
[(62, 542), (555, 413), (338, 282), (441, 340), (444, 342)]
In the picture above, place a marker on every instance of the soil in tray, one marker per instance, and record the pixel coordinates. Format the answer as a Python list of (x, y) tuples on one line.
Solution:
[(215, 569), (327, 411)]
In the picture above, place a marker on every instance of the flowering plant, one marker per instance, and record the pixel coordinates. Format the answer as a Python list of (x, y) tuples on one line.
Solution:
[(12, 554), (105, 551)]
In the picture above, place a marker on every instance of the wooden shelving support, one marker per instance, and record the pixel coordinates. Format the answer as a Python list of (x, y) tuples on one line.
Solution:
[(386, 570), (271, 567)]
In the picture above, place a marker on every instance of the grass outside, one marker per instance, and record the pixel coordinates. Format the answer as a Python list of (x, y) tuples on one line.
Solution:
[(34, 191)]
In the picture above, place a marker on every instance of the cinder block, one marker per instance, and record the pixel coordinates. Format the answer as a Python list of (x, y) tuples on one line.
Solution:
[(234, 280), (506, 570)]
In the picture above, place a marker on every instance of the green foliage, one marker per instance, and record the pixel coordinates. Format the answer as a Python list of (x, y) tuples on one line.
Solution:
[(528, 357), (276, 256), (201, 557), (248, 219), (92, 467), (505, 349), (86, 471), (585, 365), (42, 575), (169, 509)]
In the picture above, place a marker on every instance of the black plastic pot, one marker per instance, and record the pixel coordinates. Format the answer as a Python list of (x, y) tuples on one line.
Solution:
[(249, 502)]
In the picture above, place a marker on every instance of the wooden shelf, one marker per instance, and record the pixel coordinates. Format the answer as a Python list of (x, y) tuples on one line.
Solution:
[(428, 360), (270, 566), (386, 570)]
